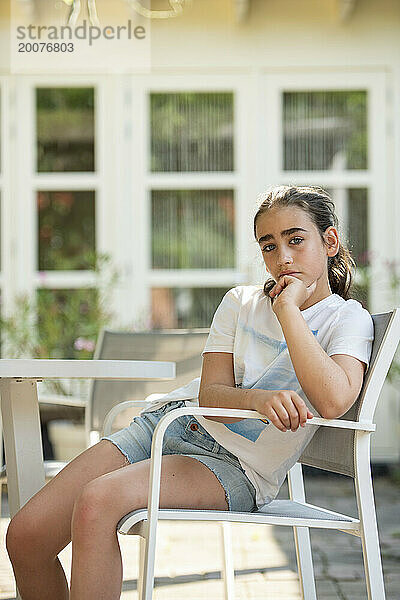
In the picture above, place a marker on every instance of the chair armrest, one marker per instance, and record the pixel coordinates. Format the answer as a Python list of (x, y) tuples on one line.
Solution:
[(115, 410), (342, 424)]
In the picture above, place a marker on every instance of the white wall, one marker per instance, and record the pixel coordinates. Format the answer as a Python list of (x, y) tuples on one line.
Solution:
[(279, 33)]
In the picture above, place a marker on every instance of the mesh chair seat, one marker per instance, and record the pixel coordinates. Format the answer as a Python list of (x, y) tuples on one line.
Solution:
[(279, 512)]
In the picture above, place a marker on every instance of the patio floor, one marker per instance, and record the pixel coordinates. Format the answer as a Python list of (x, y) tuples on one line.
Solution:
[(188, 555)]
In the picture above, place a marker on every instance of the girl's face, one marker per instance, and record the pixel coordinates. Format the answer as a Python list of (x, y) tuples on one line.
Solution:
[(291, 244)]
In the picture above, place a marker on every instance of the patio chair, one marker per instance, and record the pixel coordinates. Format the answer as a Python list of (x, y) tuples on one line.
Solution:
[(340, 445), (184, 346)]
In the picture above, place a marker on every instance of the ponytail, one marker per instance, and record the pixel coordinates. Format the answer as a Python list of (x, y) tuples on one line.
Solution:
[(340, 274)]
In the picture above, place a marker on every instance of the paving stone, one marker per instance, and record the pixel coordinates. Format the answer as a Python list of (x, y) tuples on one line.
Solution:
[(343, 572), (353, 589)]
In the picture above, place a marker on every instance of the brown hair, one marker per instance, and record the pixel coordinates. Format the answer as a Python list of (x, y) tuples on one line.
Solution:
[(317, 203)]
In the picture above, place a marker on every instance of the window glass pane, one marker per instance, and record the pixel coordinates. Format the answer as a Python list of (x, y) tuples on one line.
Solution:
[(193, 229), (184, 307), (357, 212), (353, 204), (357, 215), (65, 129), (191, 132), (66, 230), (67, 321), (352, 207), (325, 130)]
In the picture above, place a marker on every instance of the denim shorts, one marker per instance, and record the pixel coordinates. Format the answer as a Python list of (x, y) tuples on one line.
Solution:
[(187, 437)]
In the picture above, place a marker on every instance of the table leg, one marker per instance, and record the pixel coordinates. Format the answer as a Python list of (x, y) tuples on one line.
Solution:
[(22, 440)]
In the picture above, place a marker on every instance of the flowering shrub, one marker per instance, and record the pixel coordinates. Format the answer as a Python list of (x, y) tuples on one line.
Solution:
[(83, 344), (60, 323)]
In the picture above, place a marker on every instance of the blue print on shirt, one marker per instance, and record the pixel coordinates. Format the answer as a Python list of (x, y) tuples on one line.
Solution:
[(265, 339), (248, 428), (279, 376), (276, 345)]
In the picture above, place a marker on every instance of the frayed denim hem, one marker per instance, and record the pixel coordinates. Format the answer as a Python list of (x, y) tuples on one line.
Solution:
[(127, 461)]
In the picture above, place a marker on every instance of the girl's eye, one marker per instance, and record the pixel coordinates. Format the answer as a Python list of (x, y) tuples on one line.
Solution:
[(296, 240), (268, 248)]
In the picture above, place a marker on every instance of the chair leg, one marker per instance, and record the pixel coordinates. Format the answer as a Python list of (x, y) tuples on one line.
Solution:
[(302, 538), (305, 563), (142, 548), (228, 572), (368, 525), (147, 584)]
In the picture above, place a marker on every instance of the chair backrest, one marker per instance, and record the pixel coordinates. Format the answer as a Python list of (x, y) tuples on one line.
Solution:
[(183, 346), (333, 449)]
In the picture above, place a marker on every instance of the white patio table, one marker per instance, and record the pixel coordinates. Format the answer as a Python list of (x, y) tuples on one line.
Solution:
[(20, 410)]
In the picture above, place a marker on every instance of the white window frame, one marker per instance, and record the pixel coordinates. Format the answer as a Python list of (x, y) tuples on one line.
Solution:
[(28, 277), (374, 178), (144, 181), (3, 167), (394, 149), (6, 272)]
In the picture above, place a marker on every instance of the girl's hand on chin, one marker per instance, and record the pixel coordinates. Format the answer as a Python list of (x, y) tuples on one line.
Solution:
[(289, 290)]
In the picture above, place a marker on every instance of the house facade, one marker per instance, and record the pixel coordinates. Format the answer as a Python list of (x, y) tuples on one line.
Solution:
[(159, 167)]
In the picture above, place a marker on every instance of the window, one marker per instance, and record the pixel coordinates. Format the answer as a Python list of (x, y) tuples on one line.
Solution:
[(65, 220), (324, 130), (66, 230), (181, 308), (65, 129), (192, 227), (191, 132)]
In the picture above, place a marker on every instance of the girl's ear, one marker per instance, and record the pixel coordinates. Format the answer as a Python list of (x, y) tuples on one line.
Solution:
[(331, 238)]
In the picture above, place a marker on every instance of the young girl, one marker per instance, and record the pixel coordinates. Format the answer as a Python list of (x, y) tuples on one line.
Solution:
[(295, 348)]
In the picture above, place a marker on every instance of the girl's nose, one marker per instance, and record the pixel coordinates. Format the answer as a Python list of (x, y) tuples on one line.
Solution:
[(285, 259)]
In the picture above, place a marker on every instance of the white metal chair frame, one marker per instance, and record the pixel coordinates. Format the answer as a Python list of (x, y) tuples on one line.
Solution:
[(294, 512)]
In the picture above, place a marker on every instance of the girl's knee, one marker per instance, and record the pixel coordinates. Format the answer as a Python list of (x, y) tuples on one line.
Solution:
[(91, 507), (14, 536), (26, 536)]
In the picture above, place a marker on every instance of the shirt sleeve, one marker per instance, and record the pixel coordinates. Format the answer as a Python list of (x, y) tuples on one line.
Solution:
[(352, 332), (223, 327)]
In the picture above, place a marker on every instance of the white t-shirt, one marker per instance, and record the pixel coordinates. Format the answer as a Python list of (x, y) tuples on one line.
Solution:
[(245, 325)]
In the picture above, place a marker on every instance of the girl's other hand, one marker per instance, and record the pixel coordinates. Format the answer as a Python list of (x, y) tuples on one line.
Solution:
[(290, 290), (284, 408)]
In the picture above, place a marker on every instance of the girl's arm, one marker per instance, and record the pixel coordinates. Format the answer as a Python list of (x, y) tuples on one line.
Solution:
[(284, 408), (331, 384)]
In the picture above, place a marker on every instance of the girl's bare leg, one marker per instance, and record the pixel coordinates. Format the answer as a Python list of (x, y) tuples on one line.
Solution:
[(42, 528), (96, 557)]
